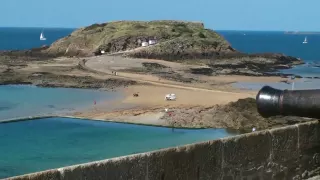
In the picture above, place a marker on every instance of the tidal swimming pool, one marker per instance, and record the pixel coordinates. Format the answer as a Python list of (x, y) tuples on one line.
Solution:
[(36, 145), (24, 100)]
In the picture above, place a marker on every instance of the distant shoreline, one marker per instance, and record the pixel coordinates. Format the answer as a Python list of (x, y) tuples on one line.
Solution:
[(303, 33)]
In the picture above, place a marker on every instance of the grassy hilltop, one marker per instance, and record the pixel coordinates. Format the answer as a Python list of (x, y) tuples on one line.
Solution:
[(174, 37)]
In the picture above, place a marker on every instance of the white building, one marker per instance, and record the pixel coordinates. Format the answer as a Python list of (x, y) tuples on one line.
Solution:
[(144, 44), (152, 42)]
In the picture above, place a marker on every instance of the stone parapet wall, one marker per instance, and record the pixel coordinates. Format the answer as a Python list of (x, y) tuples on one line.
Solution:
[(291, 152)]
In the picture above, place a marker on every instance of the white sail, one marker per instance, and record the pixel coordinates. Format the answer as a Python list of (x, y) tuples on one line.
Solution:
[(305, 40), (42, 38)]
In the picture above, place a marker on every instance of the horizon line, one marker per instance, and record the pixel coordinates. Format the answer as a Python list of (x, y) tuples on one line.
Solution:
[(299, 31)]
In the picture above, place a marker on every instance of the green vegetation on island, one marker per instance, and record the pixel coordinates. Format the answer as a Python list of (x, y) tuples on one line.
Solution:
[(171, 37), (175, 41)]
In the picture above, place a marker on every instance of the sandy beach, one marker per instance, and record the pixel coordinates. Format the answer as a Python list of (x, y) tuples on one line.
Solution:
[(149, 107), (202, 100)]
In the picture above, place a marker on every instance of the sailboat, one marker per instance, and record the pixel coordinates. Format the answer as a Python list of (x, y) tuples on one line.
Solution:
[(42, 38), (305, 41)]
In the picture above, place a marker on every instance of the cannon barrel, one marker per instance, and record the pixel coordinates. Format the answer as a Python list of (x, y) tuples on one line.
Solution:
[(302, 103)]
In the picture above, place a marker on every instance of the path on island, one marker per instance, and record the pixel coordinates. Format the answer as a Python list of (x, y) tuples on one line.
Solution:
[(129, 76)]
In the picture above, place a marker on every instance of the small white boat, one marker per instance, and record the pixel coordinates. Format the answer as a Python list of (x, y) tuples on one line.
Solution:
[(42, 38), (305, 41)]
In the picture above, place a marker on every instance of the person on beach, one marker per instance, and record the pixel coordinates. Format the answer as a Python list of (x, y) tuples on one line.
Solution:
[(173, 123)]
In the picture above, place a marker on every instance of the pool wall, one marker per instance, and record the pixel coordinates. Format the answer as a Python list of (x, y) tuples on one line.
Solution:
[(291, 152)]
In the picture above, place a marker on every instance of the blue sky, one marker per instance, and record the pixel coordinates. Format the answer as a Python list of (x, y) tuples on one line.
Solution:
[(216, 14)]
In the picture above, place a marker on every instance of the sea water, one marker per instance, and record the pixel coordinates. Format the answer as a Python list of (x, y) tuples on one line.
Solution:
[(299, 84), (35, 145), (24, 100), (279, 42), (26, 38)]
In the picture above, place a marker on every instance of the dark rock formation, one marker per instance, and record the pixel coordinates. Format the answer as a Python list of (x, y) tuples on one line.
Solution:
[(242, 115), (52, 80)]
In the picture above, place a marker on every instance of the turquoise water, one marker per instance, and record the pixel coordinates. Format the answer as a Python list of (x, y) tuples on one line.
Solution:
[(30, 146), (22, 100)]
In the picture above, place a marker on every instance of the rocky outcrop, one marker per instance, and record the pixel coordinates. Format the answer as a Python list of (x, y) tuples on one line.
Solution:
[(241, 115), (23, 56), (252, 64), (176, 40), (45, 79), (172, 36)]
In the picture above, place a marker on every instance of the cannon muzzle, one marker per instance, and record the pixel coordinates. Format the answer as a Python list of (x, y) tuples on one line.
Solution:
[(302, 103)]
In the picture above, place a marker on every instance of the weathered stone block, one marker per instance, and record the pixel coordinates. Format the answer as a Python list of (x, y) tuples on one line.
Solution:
[(198, 161), (309, 135), (284, 144), (309, 145), (124, 168), (285, 152), (246, 151), (227, 178)]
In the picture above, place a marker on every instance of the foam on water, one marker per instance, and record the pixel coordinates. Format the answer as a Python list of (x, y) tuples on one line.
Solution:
[(21, 100), (35, 145)]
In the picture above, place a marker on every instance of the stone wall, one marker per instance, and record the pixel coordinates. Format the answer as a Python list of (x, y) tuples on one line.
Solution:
[(285, 153)]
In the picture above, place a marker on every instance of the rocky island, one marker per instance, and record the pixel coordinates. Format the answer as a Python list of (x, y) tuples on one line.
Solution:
[(175, 41), (151, 59)]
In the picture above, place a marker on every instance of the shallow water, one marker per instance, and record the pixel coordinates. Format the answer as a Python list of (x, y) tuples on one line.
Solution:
[(23, 100), (299, 84), (30, 146), (305, 70)]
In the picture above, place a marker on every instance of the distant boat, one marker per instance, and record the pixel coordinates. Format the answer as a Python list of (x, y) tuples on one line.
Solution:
[(42, 37), (305, 41)]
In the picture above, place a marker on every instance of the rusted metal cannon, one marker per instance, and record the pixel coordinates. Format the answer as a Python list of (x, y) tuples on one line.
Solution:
[(302, 103)]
